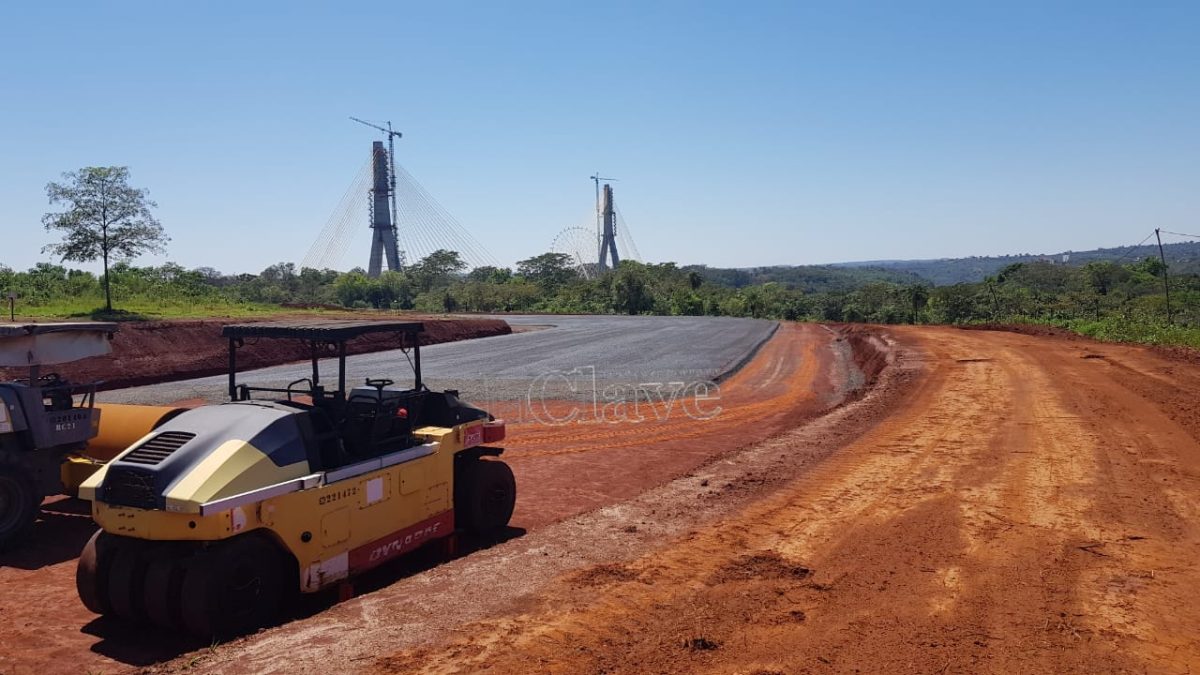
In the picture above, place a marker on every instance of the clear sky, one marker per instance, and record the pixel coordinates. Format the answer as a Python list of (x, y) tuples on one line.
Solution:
[(744, 133)]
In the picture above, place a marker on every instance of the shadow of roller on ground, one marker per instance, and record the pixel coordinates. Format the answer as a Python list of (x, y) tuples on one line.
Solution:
[(142, 646), (63, 527)]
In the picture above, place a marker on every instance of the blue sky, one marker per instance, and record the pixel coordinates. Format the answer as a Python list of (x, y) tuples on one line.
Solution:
[(744, 133)]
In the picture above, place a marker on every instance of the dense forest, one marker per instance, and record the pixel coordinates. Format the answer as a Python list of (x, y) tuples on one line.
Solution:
[(1107, 299)]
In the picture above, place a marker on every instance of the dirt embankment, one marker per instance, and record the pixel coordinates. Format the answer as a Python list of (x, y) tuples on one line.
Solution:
[(148, 352)]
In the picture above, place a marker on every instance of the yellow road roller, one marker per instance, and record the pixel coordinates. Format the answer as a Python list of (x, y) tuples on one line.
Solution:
[(211, 522)]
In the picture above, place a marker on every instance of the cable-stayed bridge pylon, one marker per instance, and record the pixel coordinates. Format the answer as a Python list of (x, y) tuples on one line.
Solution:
[(405, 221)]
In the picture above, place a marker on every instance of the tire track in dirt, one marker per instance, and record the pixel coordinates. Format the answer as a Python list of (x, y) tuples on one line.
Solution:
[(1025, 510)]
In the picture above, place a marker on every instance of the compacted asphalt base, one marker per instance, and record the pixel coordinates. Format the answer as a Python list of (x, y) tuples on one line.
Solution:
[(560, 356)]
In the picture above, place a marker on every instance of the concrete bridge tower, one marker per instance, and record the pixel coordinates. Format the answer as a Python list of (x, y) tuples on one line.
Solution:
[(608, 237), (383, 230)]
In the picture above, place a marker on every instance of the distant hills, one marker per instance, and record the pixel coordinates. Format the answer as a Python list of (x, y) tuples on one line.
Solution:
[(807, 278), (1183, 258)]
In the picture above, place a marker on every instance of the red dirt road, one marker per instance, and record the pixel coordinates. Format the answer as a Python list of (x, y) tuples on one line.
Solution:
[(1027, 505), (561, 470)]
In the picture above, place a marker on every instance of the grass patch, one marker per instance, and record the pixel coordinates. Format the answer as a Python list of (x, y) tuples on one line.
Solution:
[(141, 308), (1117, 330)]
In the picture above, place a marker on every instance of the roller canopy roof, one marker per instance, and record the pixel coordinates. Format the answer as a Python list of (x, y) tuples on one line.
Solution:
[(332, 331)]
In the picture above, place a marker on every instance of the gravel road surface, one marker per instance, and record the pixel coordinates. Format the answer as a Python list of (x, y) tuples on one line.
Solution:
[(558, 356)]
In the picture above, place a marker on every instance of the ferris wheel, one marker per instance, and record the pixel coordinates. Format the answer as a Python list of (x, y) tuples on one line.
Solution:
[(581, 245)]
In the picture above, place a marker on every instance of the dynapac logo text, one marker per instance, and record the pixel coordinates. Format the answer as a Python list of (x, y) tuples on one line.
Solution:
[(402, 544)]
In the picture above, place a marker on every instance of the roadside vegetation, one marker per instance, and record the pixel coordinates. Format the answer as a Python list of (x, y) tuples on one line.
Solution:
[(1106, 300)]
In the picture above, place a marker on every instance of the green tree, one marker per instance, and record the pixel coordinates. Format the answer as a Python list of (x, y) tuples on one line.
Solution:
[(351, 288), (1151, 266), (548, 270), (437, 268), (629, 292), (1102, 275), (105, 218), (918, 294), (490, 274)]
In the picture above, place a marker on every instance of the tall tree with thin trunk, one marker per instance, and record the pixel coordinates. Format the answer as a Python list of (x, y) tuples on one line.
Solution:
[(105, 218)]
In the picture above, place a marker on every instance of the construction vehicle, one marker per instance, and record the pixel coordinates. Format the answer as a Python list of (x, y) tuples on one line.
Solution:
[(51, 436), (226, 512)]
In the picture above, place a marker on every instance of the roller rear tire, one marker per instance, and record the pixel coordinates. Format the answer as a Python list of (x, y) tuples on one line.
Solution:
[(484, 497)]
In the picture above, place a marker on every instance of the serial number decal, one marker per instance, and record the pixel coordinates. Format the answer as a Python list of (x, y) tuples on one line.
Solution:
[(68, 421), (337, 496)]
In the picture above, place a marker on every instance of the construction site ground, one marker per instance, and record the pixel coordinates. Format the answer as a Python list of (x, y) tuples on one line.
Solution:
[(867, 499)]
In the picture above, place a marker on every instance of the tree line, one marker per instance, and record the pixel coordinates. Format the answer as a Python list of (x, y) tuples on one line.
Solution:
[(1104, 294)]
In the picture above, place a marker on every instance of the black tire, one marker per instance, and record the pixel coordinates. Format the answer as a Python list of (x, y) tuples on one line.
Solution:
[(127, 579), (19, 503), (233, 587), (162, 590), (484, 497), (92, 572)]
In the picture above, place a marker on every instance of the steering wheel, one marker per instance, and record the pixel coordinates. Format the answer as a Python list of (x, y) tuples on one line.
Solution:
[(380, 383)]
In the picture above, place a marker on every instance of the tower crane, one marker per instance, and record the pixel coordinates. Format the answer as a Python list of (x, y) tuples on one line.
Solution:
[(391, 137), (596, 178)]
